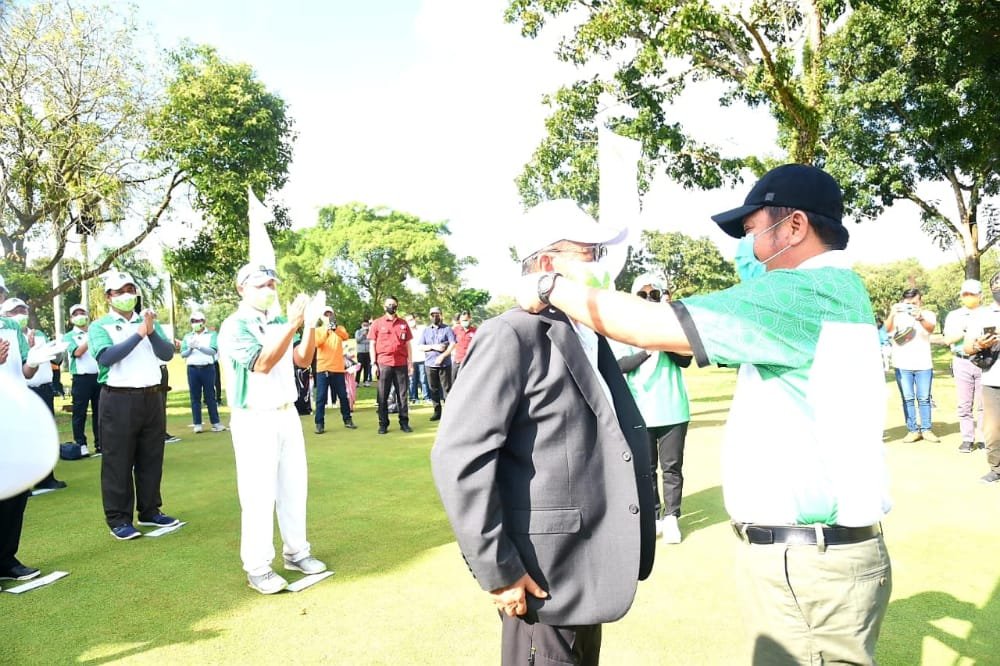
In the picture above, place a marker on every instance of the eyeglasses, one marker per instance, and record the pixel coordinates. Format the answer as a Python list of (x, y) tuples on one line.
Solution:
[(596, 251), (651, 295)]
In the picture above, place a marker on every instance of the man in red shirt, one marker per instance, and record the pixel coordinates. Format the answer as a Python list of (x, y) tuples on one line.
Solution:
[(464, 333), (390, 337)]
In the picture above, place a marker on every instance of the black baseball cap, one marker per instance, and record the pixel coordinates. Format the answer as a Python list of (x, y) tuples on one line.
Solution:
[(799, 186)]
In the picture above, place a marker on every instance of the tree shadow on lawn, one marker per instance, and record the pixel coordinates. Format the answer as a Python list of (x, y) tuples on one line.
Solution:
[(909, 621), (702, 509)]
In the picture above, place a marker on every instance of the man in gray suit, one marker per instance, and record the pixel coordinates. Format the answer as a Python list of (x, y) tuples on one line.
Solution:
[(547, 487)]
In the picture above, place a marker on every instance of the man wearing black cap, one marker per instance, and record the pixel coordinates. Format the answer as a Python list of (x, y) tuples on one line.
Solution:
[(803, 469)]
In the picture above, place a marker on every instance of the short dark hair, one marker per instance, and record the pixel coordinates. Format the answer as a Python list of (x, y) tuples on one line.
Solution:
[(465, 313), (910, 293), (832, 234), (390, 297)]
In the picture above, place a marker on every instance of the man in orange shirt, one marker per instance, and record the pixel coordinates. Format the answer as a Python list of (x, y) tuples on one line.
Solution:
[(330, 369)]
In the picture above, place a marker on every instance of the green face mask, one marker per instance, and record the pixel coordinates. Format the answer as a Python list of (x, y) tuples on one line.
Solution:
[(124, 302), (261, 298), (79, 320), (197, 326), (21, 319)]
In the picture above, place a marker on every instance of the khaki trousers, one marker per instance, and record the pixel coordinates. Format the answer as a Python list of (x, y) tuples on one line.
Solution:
[(808, 606)]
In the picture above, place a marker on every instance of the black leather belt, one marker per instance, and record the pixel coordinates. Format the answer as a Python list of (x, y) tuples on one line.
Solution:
[(805, 535), (129, 389)]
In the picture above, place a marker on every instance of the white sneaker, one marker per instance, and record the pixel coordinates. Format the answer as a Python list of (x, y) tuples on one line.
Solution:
[(307, 565), (197, 428), (84, 451), (267, 583), (667, 526), (218, 427)]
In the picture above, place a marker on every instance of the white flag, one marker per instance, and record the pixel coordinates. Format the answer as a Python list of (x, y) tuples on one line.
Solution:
[(618, 166), (261, 250)]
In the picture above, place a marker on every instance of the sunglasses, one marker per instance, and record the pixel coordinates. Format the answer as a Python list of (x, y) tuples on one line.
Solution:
[(651, 295), (596, 251)]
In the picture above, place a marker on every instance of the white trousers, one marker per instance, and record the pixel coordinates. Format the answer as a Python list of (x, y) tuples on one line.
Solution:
[(270, 472)]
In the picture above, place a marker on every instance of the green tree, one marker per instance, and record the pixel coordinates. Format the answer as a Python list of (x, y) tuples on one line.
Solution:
[(916, 101), (224, 131), (691, 265), (360, 255), (473, 300), (765, 52), (887, 282)]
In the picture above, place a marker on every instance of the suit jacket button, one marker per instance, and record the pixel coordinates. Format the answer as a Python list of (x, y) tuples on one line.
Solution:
[(632, 508), (626, 456)]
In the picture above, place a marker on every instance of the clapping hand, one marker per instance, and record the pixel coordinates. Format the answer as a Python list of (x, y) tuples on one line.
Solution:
[(297, 310)]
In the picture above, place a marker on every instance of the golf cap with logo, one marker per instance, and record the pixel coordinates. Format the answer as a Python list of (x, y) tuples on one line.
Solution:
[(971, 287), (561, 220), (197, 315), (77, 306), (116, 280), (255, 275), (10, 305), (798, 186)]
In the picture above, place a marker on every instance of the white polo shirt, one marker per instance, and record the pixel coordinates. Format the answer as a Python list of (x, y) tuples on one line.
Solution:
[(141, 368), (85, 363)]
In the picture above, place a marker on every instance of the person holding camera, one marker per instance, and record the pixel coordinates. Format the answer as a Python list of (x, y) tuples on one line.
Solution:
[(910, 327), (981, 340), (129, 348), (330, 370)]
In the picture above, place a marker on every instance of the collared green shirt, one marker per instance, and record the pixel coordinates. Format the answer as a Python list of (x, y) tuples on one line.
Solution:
[(241, 339), (85, 363), (141, 368)]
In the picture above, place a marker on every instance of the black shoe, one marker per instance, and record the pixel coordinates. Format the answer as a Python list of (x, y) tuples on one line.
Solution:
[(406, 427), (320, 428), (19, 572), (436, 416), (50, 484), (350, 424), (979, 445), (966, 447), (382, 430)]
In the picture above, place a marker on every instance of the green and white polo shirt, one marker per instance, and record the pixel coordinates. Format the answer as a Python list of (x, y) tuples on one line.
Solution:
[(803, 442), (141, 368), (242, 337), (84, 364), (43, 375), (196, 340), (11, 331)]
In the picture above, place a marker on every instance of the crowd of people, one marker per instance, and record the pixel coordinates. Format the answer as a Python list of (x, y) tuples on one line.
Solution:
[(559, 415)]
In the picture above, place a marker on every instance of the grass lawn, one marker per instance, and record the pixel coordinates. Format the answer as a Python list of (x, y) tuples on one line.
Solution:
[(402, 594)]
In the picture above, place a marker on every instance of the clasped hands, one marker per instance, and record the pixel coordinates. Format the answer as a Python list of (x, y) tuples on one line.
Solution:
[(512, 600)]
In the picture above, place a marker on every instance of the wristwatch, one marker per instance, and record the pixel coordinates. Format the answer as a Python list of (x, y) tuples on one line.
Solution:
[(546, 282)]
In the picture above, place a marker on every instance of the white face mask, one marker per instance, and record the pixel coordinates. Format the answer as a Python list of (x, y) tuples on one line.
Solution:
[(260, 298), (21, 319)]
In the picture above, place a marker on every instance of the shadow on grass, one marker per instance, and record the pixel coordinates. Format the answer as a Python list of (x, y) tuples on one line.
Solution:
[(909, 621), (702, 509)]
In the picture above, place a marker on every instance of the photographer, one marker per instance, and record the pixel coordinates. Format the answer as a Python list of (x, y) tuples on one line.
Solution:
[(981, 336), (910, 327), (330, 370)]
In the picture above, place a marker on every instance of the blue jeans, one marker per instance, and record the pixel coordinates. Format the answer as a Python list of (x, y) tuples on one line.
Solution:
[(328, 383), (419, 376), (201, 378), (915, 385)]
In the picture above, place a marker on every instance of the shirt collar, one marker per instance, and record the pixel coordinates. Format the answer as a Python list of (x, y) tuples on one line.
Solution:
[(828, 259)]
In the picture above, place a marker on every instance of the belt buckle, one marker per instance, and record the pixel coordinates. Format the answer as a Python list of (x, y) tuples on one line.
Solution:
[(740, 530)]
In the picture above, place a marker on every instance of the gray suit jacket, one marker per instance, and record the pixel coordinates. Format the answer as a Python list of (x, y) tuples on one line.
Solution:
[(539, 474)]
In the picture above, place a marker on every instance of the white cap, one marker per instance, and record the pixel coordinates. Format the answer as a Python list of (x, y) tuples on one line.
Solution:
[(971, 287), (328, 308), (11, 304), (558, 220), (77, 306), (255, 275), (198, 314), (652, 279), (116, 280)]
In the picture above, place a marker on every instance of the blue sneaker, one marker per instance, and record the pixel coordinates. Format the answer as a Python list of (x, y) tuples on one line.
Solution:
[(125, 532), (160, 520)]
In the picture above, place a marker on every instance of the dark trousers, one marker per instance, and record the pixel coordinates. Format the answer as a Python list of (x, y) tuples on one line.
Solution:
[(11, 522), (85, 391), (133, 427), (524, 644), (218, 382), (666, 445), (44, 391), (455, 367), (201, 379), (365, 373), (439, 379), (389, 376), (333, 385)]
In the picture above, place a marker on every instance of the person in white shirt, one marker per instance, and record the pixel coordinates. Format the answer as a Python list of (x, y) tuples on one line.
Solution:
[(968, 377), (83, 366), (981, 336), (910, 327), (200, 349)]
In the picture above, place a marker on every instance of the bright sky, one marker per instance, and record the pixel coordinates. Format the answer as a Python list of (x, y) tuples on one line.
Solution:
[(433, 107)]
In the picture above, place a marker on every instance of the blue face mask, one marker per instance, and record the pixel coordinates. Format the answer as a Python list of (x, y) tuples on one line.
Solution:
[(748, 266)]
